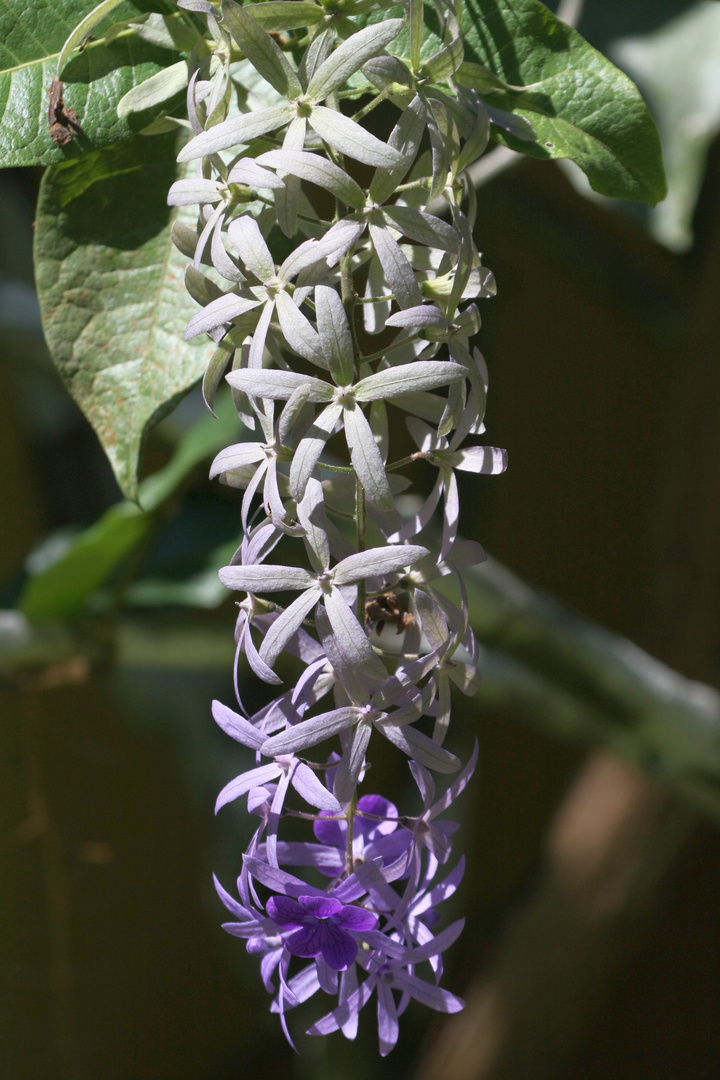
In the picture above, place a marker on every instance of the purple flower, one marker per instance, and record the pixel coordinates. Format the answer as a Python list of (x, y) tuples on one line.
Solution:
[(321, 924)]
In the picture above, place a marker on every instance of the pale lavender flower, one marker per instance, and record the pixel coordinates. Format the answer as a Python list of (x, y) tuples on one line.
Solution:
[(343, 134), (324, 583), (343, 401), (447, 455)]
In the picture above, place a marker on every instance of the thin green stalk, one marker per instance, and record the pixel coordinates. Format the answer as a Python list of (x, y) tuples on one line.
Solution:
[(350, 815), (373, 105), (361, 539)]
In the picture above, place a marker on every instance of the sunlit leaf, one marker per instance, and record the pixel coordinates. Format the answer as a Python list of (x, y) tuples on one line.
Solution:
[(156, 90), (581, 106), (83, 28), (31, 41)]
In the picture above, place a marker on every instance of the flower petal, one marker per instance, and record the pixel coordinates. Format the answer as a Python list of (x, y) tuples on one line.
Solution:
[(310, 732), (367, 459), (349, 138), (239, 129)]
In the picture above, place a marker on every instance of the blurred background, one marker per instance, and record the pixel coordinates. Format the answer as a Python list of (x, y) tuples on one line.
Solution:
[(592, 946)]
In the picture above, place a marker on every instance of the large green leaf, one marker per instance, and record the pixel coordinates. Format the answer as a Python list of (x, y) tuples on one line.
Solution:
[(111, 291), (32, 34), (581, 105), (62, 589), (687, 106)]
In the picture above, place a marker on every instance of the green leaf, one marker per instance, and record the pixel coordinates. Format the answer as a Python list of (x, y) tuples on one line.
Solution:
[(276, 15), (581, 105), (83, 28), (110, 283), (202, 589), (686, 104), (159, 88), (32, 35), (62, 589)]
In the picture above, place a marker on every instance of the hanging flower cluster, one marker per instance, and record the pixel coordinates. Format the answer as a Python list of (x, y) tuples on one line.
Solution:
[(343, 306)]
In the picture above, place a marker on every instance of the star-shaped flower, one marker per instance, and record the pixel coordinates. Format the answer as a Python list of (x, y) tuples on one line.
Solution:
[(304, 95), (321, 924)]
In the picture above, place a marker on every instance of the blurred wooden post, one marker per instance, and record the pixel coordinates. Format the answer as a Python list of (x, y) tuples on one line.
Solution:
[(615, 833), (608, 844)]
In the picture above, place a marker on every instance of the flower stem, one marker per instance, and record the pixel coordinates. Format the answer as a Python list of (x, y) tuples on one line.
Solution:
[(361, 539), (350, 815)]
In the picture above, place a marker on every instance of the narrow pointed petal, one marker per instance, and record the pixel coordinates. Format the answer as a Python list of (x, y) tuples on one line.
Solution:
[(236, 726), (287, 623), (420, 747), (408, 378), (247, 171), (187, 192), (335, 336), (367, 460), (235, 457), (296, 329), (417, 318), (488, 460), (310, 448), (432, 996), (405, 137), (349, 138), (312, 517), (264, 774), (265, 578), (336, 242), (388, 1026), (310, 788), (245, 235), (351, 640), (398, 271), (317, 170), (258, 665), (424, 228), (217, 313), (377, 562), (310, 732), (239, 129), (350, 56), (451, 512), (278, 385), (351, 763), (432, 620), (287, 199), (260, 49)]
